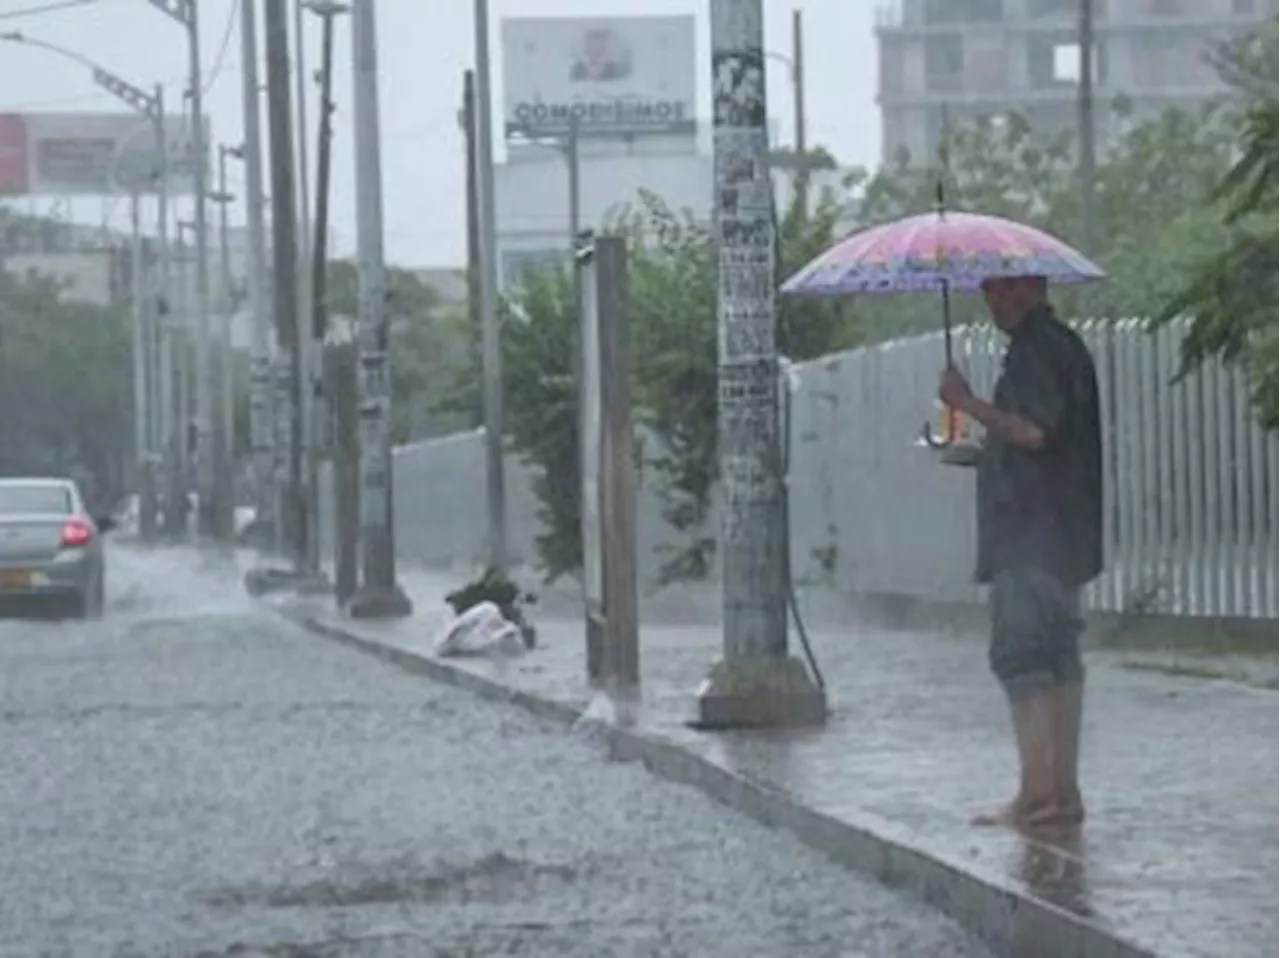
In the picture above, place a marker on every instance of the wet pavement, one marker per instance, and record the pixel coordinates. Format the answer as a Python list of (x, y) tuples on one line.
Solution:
[(193, 777), (1179, 855)]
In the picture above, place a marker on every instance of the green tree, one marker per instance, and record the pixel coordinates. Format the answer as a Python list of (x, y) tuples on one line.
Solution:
[(1230, 287), (539, 340), (65, 382), (428, 344)]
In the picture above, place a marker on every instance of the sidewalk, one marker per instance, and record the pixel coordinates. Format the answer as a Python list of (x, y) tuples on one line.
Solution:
[(1180, 854)]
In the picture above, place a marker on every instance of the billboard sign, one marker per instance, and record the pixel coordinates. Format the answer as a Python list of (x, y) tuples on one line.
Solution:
[(620, 77), (91, 154)]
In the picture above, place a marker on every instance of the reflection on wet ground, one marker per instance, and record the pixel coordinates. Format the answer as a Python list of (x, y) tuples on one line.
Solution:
[(1180, 775)]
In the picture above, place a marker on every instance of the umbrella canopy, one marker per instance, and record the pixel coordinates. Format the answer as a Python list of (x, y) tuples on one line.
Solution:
[(939, 250)]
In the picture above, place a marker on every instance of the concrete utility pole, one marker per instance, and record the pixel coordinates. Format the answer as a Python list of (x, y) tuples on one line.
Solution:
[(186, 13), (342, 354), (379, 596), (756, 683), (261, 429), (142, 391), (490, 344), (223, 438), (1088, 129), (285, 258), (317, 272)]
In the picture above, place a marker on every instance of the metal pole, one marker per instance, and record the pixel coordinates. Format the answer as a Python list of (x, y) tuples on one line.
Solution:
[(171, 426), (319, 277), (260, 385), (204, 382), (225, 439), (285, 258), (309, 345), (1088, 131), (379, 596), (473, 219), (757, 683), (572, 154), (797, 90), (141, 409), (490, 344)]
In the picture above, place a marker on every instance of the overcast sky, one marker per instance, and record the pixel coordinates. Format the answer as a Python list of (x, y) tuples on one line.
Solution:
[(424, 45)]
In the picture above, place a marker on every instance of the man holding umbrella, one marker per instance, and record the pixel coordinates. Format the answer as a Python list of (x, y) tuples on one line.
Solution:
[(1039, 470), (1039, 537)]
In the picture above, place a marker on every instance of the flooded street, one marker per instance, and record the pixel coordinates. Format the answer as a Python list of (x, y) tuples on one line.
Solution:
[(191, 776)]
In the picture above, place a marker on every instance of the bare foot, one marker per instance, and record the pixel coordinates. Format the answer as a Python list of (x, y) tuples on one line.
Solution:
[(1022, 813), (1054, 815), (1005, 816)]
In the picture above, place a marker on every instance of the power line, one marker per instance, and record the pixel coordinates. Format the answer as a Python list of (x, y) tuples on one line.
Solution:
[(221, 56)]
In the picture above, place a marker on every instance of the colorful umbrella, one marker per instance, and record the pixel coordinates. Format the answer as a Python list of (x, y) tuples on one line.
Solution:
[(939, 251)]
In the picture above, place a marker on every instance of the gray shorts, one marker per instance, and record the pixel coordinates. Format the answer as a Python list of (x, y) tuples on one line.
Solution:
[(1035, 631)]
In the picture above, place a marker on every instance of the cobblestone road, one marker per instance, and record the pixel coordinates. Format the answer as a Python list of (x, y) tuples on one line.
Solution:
[(192, 777)]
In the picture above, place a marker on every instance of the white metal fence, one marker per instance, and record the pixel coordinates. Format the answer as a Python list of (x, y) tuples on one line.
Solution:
[(1190, 481)]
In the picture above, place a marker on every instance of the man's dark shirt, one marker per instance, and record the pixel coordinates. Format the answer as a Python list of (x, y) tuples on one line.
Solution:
[(1043, 507)]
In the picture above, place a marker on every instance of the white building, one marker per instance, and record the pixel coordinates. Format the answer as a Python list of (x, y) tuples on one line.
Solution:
[(628, 87)]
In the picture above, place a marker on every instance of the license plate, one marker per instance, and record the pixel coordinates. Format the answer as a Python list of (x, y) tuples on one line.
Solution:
[(15, 579)]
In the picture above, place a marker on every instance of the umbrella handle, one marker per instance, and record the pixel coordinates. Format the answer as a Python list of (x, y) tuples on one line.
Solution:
[(931, 439)]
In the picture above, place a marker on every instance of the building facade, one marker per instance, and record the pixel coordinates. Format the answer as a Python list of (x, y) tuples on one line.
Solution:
[(951, 61), (624, 90)]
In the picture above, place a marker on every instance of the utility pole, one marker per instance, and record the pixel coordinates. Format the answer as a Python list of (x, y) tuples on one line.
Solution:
[(261, 429), (468, 120), (573, 155), (224, 439), (187, 13), (285, 259), (170, 421), (142, 392), (380, 596), (318, 274), (1088, 129), (797, 90), (756, 683), (342, 353), (310, 347), (490, 344)]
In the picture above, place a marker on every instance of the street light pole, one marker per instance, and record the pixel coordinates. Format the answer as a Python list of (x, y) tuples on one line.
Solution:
[(490, 342), (186, 13), (309, 346), (284, 223), (224, 439), (379, 596), (756, 683), (261, 428), (315, 257)]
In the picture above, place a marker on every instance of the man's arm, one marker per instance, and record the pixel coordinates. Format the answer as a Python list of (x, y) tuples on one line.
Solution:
[(1007, 426), (1032, 401)]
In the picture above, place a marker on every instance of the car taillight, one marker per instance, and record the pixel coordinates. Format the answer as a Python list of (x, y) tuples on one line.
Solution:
[(77, 533)]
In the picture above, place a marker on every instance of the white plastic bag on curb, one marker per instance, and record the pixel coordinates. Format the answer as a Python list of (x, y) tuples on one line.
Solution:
[(481, 630)]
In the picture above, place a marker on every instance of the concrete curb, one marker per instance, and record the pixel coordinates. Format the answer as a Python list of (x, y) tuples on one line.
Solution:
[(1011, 922)]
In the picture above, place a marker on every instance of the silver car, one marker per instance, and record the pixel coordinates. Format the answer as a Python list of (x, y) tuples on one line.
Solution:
[(50, 547)]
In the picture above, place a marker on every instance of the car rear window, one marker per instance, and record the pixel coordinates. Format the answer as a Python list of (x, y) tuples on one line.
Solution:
[(16, 499)]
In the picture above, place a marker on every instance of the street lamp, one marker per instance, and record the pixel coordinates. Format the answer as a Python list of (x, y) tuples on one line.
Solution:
[(185, 13), (158, 369)]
